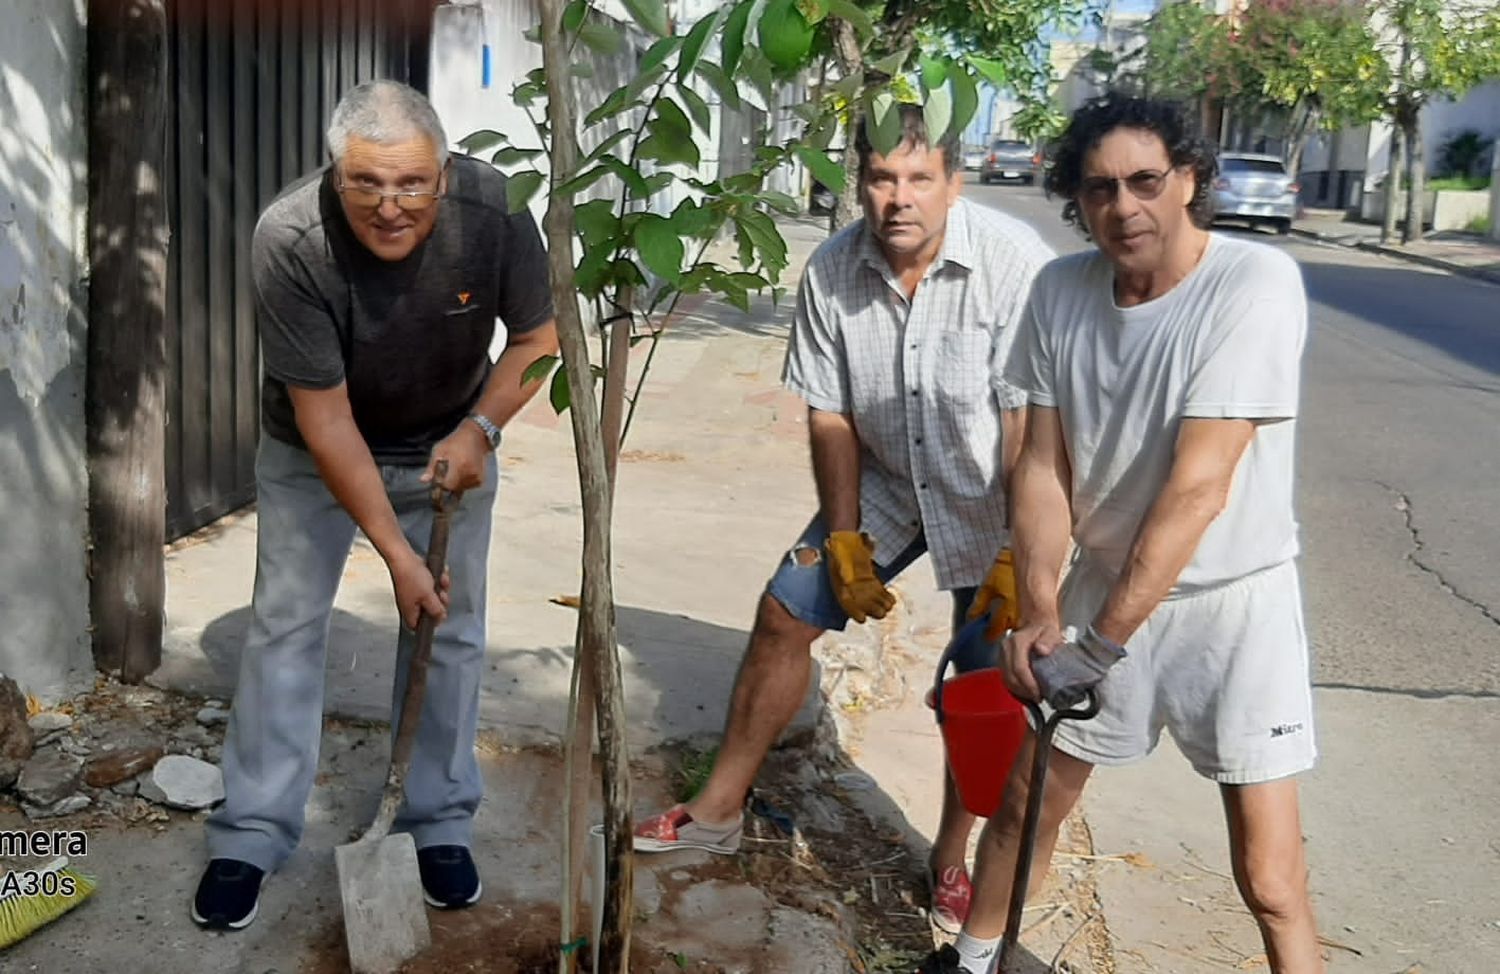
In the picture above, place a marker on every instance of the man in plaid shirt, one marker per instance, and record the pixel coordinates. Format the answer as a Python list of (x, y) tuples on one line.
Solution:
[(902, 329)]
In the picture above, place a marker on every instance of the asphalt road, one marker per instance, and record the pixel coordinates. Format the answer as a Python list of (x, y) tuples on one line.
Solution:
[(1399, 486)]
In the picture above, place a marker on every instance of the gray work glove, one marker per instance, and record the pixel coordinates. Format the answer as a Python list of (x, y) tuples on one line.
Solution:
[(1067, 673)]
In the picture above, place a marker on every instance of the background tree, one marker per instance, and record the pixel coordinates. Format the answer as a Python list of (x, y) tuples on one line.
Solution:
[(1436, 49)]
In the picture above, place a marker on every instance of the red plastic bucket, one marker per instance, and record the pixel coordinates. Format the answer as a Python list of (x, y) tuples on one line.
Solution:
[(983, 726)]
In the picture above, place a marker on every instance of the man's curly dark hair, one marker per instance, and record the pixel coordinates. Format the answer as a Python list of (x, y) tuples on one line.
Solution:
[(1097, 118)]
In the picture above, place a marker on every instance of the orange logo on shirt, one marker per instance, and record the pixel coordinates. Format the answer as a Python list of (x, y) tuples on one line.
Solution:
[(463, 297)]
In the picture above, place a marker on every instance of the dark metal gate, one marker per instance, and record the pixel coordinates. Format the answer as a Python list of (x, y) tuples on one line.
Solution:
[(252, 83)]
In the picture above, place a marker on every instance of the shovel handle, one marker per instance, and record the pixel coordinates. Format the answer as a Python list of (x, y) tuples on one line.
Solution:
[(443, 504), (1041, 754)]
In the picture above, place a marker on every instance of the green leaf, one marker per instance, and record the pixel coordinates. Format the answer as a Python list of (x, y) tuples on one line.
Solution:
[(934, 72), (995, 72), (581, 69), (525, 93), (574, 15), (538, 369), (728, 94), (645, 80), (697, 40), (608, 144), (885, 134), (764, 236), (658, 181), (533, 34), (812, 11), (660, 247), (890, 65), (781, 202), (692, 220), (857, 18), (657, 54), (849, 86), (737, 297), (732, 44), (560, 394), (617, 102), (596, 221), (476, 142), (650, 14), (965, 98), (521, 187), (937, 113), (697, 108), (670, 115), (635, 183), (601, 39), (588, 277), (754, 66), (823, 169), (582, 181), (510, 155)]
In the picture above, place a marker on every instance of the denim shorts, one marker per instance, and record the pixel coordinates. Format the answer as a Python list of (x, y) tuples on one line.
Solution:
[(805, 591)]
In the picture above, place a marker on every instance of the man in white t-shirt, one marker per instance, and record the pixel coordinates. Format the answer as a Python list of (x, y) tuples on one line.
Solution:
[(1162, 371)]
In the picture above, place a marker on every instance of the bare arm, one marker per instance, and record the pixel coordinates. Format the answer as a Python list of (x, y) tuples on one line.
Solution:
[(326, 422), (1041, 515), (1197, 488), (504, 395), (466, 447), (835, 460), (1012, 438)]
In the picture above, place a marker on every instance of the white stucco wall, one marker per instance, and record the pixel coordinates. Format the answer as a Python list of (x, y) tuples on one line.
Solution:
[(44, 640)]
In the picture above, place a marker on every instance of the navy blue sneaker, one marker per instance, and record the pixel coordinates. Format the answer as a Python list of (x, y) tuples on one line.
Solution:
[(449, 879), (944, 960), (228, 895)]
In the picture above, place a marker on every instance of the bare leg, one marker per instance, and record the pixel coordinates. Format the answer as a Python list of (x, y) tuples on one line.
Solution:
[(1270, 867), (1000, 842), (768, 692), (951, 844)]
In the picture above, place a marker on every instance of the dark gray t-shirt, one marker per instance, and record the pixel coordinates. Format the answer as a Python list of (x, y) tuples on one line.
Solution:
[(410, 338)]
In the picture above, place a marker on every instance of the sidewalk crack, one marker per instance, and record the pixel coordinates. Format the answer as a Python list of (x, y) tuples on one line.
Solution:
[(1404, 505)]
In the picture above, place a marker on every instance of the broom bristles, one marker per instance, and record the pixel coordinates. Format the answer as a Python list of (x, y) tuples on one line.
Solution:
[(21, 915)]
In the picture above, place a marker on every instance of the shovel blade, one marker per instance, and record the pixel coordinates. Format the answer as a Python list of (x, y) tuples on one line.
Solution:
[(385, 918)]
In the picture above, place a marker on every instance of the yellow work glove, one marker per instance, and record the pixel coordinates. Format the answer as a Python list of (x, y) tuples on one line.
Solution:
[(999, 590), (851, 569)]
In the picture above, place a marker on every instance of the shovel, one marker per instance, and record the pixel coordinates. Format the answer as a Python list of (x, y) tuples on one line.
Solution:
[(385, 917), (1044, 726)]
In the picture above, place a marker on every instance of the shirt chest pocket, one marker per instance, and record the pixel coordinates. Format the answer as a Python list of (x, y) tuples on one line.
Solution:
[(962, 365)]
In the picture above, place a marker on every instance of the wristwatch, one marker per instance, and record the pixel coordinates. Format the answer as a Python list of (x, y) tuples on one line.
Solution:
[(491, 431)]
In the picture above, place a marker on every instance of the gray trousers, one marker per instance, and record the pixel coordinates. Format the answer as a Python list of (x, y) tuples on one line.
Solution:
[(271, 747)]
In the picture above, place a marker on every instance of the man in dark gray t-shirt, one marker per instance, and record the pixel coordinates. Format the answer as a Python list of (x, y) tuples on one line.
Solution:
[(378, 280)]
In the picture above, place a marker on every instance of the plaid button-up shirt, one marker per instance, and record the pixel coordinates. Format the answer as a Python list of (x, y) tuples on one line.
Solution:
[(922, 379)]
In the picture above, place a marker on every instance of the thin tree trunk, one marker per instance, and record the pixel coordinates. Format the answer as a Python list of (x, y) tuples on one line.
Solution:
[(851, 61), (1307, 122), (1416, 179), (125, 405), (596, 614), (1392, 184), (579, 752)]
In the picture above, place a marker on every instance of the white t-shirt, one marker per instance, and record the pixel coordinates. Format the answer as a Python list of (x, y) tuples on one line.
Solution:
[(1226, 342)]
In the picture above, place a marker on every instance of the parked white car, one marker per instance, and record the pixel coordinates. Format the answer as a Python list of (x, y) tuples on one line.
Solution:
[(1256, 189)]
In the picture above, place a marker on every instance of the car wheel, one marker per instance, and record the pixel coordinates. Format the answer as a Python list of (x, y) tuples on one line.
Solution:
[(1283, 227)]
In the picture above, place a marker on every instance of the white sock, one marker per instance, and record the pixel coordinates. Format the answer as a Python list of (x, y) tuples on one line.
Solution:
[(977, 956)]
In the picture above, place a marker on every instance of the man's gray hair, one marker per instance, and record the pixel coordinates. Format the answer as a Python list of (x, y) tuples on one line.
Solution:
[(385, 112)]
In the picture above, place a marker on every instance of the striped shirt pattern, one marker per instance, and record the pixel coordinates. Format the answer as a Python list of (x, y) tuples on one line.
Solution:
[(923, 380)]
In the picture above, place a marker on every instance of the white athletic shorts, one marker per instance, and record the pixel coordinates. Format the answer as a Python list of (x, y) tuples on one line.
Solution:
[(1224, 669)]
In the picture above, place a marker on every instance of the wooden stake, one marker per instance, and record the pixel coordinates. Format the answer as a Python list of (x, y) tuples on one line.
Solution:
[(125, 401), (596, 614)]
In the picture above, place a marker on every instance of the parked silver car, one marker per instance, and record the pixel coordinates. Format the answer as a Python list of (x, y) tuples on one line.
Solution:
[(1010, 159), (1256, 189)]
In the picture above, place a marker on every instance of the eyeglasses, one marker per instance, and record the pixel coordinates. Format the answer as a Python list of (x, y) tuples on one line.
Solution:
[(1144, 185), (370, 199)]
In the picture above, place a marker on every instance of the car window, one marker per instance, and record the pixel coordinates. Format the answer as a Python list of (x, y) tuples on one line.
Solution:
[(1011, 144), (1252, 165)]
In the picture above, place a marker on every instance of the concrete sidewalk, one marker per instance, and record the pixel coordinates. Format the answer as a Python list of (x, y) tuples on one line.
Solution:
[(1450, 250)]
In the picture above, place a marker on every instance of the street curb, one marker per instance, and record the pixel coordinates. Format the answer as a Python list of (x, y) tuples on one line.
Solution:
[(1476, 273)]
